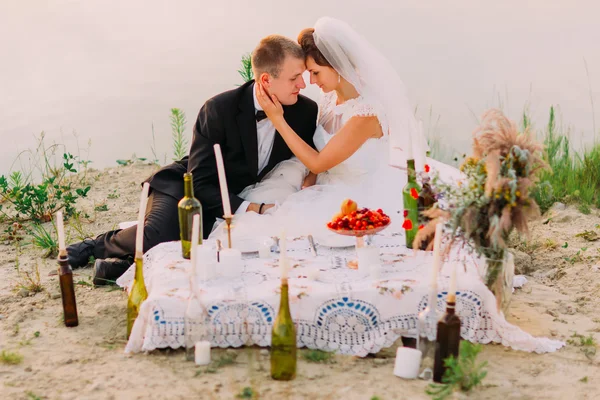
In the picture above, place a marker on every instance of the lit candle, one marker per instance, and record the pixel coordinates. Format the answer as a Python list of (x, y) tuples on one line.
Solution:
[(222, 181), (202, 353), (139, 239), (194, 244), (437, 253), (62, 250)]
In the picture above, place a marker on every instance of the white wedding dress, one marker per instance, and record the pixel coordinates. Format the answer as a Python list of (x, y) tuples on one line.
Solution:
[(364, 177)]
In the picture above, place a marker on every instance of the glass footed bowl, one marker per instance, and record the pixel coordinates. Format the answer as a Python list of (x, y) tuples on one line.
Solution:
[(366, 232)]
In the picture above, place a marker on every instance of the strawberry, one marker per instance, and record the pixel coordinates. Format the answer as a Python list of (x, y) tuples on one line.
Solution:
[(408, 225), (414, 193)]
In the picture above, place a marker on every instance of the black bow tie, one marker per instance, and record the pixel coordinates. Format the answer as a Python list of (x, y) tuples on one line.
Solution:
[(260, 115)]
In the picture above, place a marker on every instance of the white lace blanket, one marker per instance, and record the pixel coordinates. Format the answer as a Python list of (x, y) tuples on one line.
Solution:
[(344, 310)]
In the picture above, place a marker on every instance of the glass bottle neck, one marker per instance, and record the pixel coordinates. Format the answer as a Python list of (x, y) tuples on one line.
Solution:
[(284, 302), (450, 307), (139, 270), (188, 186), (410, 168), (65, 267)]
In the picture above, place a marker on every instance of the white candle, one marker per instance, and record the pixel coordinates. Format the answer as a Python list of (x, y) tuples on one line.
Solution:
[(61, 233), (452, 290), (139, 239), (264, 250), (202, 353), (222, 181), (437, 253), (194, 244), (231, 263), (283, 261), (206, 258), (408, 362)]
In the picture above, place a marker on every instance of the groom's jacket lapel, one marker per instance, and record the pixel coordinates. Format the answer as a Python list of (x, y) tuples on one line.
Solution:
[(246, 122)]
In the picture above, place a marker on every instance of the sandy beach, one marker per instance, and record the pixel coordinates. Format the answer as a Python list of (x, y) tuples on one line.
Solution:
[(561, 298)]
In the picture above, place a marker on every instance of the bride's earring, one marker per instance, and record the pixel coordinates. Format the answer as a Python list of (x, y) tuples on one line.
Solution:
[(339, 78)]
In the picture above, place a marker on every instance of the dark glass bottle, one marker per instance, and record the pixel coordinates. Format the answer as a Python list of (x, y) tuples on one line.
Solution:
[(448, 338), (188, 207), (67, 290)]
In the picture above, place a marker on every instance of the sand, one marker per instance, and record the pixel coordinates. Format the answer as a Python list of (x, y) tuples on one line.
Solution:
[(561, 298)]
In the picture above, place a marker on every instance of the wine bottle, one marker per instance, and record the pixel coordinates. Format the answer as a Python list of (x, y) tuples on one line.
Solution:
[(187, 207), (67, 290), (283, 339), (138, 293), (425, 202), (411, 209), (448, 333)]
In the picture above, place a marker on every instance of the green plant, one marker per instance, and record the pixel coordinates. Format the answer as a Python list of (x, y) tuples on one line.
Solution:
[(246, 393), (317, 356), (225, 359), (44, 240), (245, 70), (572, 177), (134, 159), (22, 200), (584, 379), (32, 396), (10, 358), (180, 142), (30, 280), (463, 374), (584, 208), (101, 208)]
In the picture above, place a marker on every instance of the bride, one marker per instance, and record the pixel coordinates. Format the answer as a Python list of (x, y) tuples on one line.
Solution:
[(365, 132)]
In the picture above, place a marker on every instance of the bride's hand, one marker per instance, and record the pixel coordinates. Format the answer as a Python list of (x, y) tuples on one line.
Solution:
[(270, 105)]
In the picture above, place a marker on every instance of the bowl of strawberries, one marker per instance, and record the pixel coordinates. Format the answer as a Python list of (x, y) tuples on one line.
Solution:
[(352, 221)]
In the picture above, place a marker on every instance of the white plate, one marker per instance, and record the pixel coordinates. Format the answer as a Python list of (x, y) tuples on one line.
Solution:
[(335, 240)]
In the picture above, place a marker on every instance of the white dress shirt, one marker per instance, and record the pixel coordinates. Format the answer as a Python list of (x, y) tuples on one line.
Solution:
[(265, 135)]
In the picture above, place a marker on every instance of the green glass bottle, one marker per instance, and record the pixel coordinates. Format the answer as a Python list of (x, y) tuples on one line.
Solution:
[(411, 206), (283, 340), (188, 207), (137, 295)]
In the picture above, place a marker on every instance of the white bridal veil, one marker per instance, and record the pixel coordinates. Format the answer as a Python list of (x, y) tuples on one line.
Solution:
[(376, 80)]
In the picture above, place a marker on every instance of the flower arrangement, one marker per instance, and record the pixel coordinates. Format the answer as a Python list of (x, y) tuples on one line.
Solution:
[(494, 196)]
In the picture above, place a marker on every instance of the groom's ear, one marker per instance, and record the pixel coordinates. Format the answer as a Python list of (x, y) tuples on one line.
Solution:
[(265, 79)]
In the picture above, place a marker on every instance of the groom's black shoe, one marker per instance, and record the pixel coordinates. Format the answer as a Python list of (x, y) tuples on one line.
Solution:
[(107, 271), (80, 253)]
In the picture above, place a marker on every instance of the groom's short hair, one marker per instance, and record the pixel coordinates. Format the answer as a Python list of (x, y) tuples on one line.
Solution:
[(271, 52)]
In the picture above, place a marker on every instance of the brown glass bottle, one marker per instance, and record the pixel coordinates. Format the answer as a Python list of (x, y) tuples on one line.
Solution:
[(67, 290), (448, 338)]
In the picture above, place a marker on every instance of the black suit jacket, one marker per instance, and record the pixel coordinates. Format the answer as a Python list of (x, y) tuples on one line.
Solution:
[(229, 119)]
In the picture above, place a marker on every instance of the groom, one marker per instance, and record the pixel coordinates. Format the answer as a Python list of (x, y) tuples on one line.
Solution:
[(251, 148)]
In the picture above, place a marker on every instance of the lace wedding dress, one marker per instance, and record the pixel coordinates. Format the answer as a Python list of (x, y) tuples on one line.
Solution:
[(364, 177)]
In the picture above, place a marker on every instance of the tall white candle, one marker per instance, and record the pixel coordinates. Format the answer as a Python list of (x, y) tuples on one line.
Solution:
[(283, 261), (437, 253), (222, 181), (139, 238), (194, 245), (61, 233), (452, 289)]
